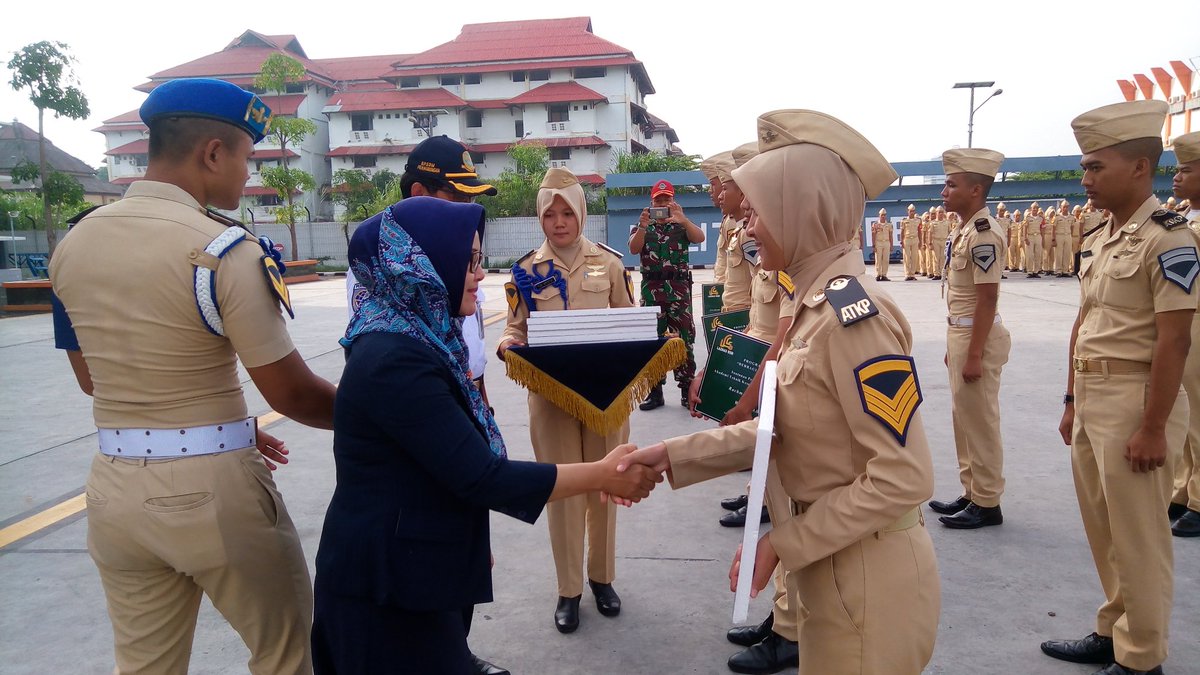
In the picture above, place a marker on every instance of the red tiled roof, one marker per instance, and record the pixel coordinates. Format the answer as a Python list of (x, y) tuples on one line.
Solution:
[(395, 99), (243, 81), (254, 38), (133, 116), (498, 67), (286, 104), (138, 147), (243, 56), (126, 180), (352, 150), (591, 179), (271, 153), (488, 104), (259, 191), (568, 142), (358, 68), (121, 127), (518, 41), (557, 92)]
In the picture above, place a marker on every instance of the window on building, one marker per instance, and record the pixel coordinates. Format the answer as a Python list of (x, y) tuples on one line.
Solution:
[(518, 76), (269, 200), (295, 88), (472, 78), (364, 161), (449, 80), (560, 154), (474, 119), (477, 157), (539, 75), (255, 90), (520, 128), (558, 112), (595, 71), (410, 82), (362, 122), (585, 107)]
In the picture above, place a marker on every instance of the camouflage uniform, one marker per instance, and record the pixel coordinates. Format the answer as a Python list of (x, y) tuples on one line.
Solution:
[(667, 284)]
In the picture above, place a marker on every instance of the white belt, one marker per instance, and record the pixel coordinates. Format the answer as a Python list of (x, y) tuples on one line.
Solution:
[(179, 441), (966, 320)]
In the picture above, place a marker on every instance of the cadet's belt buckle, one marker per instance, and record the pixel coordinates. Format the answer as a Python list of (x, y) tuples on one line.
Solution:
[(1078, 364)]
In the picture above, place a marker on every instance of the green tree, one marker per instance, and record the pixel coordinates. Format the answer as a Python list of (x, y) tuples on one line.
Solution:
[(46, 70), (654, 162), (355, 190), (102, 173), (275, 73), (383, 178), (517, 187), (61, 191)]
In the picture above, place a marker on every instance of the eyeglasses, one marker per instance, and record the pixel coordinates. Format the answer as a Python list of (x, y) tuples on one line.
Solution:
[(476, 261)]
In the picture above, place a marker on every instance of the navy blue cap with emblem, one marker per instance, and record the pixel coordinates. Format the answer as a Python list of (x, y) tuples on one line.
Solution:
[(208, 98), (444, 158)]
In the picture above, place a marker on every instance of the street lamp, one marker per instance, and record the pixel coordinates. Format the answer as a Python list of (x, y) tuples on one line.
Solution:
[(12, 234), (974, 108)]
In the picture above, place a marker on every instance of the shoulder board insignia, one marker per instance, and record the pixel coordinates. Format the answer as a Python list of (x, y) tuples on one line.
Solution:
[(785, 282), (524, 257), (73, 220), (1168, 219), (513, 296), (849, 300), (982, 224), (610, 249), (1095, 229), (890, 392), (1180, 266), (223, 219)]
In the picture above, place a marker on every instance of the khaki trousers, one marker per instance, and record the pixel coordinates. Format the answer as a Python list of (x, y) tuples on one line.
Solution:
[(559, 438), (1017, 251), (1123, 513), (1063, 254), (1033, 255), (939, 259), (882, 258), (164, 532), (1047, 252), (871, 608), (975, 408), (911, 266), (779, 505), (1187, 470)]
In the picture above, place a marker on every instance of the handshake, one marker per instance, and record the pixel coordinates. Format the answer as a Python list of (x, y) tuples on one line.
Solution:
[(628, 473)]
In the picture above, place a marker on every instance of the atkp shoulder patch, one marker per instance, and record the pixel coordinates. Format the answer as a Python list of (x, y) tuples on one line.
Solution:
[(890, 392), (1168, 219), (849, 300), (982, 225), (1180, 266), (983, 255)]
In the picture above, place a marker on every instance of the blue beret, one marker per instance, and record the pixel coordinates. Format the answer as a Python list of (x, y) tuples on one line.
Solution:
[(209, 99)]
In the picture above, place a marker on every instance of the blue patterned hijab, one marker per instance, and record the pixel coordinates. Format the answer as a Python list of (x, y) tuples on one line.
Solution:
[(412, 259)]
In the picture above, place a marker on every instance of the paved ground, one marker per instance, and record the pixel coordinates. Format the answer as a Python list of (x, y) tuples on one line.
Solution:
[(1004, 589)]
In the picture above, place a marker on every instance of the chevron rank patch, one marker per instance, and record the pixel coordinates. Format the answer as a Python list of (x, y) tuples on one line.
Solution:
[(785, 282), (513, 296), (1180, 266), (890, 392), (275, 282), (983, 255)]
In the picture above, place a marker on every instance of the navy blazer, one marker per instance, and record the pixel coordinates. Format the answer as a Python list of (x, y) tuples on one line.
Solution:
[(408, 522)]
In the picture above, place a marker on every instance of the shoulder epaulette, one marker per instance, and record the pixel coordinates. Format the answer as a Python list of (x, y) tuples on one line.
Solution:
[(1103, 223), (525, 257), (982, 225), (73, 220), (224, 219), (849, 300), (1168, 219), (610, 249)]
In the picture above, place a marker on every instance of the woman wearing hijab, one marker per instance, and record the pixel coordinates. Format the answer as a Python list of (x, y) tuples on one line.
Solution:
[(570, 272), (850, 447), (420, 461)]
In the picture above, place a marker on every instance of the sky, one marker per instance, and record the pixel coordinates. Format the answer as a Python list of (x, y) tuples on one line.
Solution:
[(885, 68)]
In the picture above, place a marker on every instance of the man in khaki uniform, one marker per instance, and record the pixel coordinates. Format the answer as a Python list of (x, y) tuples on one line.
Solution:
[(180, 502), (881, 242), (584, 275), (1048, 247), (1125, 416), (1064, 228), (1033, 241), (1184, 511), (926, 249), (1006, 227), (709, 168), (738, 270), (910, 228), (977, 343), (846, 385), (1016, 240), (939, 232), (1076, 236)]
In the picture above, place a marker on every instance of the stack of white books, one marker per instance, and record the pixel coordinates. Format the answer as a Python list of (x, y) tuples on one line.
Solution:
[(586, 326)]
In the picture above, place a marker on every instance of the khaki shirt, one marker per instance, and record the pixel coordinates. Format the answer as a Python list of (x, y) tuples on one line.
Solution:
[(908, 230), (939, 231), (1123, 285), (596, 281), (1007, 228), (125, 276), (1064, 226), (850, 472), (727, 224), (765, 297), (976, 257), (738, 271), (881, 235), (1091, 219), (1033, 227)]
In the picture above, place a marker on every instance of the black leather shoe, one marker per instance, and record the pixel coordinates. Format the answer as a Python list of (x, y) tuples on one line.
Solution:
[(655, 400), (738, 518), (747, 636), (566, 615), (1174, 511), (884, 279), (1094, 648), (1187, 525), (607, 600), (482, 667), (769, 656), (950, 508), (1118, 669), (683, 396), (973, 517), (735, 503)]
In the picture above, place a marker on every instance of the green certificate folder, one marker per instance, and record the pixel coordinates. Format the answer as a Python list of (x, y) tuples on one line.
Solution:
[(710, 298), (737, 320), (733, 360)]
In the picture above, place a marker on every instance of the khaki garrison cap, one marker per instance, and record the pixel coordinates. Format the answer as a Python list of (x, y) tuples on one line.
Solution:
[(712, 166), (1112, 124), (744, 153), (971, 160), (780, 128), (1187, 148), (558, 179)]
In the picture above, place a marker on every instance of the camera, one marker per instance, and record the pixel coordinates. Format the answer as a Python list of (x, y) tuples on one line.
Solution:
[(660, 212)]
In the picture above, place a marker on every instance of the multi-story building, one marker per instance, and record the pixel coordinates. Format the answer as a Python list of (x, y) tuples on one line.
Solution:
[(550, 81), (19, 144), (1181, 91)]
